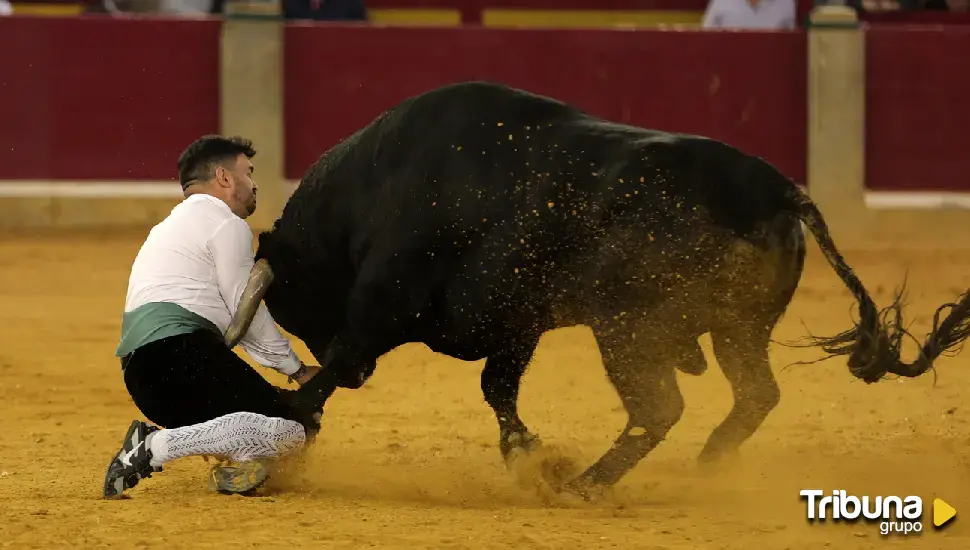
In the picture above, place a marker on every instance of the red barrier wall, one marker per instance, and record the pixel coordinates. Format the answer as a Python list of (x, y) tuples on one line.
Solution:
[(105, 99), (917, 108), (746, 88)]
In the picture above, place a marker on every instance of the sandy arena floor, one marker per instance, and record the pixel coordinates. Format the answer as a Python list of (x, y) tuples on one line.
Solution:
[(411, 460)]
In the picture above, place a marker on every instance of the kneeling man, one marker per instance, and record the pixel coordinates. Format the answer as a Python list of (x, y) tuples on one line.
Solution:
[(183, 290)]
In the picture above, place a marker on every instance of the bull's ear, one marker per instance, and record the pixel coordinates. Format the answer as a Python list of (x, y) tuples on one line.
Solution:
[(265, 243), (262, 238), (269, 238)]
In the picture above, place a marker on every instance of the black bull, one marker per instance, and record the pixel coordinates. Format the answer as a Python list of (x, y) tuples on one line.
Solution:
[(475, 217)]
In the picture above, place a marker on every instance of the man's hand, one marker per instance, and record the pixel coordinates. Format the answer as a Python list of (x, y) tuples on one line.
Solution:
[(305, 373)]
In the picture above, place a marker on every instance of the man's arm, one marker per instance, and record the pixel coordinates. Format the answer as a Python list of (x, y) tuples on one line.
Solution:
[(231, 248)]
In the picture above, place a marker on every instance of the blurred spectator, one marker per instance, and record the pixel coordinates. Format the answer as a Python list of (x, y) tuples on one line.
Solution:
[(325, 10), (750, 14), (185, 7), (5, 8), (130, 6), (166, 7)]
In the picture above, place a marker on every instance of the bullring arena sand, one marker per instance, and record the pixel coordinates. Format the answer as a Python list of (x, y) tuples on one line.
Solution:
[(411, 459)]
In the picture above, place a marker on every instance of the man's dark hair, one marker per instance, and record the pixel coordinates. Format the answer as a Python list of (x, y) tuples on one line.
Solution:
[(199, 160)]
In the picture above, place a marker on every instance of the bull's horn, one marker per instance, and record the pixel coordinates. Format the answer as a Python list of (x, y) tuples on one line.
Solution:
[(259, 280)]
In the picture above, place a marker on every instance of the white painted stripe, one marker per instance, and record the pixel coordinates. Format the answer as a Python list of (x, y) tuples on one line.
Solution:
[(917, 200), (139, 189)]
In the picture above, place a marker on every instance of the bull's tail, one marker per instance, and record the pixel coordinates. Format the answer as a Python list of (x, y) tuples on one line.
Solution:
[(873, 345)]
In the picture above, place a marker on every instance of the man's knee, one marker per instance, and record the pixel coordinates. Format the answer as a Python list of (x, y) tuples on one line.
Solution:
[(288, 435)]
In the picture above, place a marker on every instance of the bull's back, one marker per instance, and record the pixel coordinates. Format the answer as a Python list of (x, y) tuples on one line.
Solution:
[(608, 216), (530, 205), (477, 151)]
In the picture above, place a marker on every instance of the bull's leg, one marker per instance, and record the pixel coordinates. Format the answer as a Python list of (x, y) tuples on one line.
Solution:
[(501, 378), (649, 391), (742, 353), (389, 295)]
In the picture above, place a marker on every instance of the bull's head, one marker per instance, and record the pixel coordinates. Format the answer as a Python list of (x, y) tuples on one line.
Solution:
[(301, 294)]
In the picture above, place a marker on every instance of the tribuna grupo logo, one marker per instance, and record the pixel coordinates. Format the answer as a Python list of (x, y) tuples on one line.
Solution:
[(902, 515)]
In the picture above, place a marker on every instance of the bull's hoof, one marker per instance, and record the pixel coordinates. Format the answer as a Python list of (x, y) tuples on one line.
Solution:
[(307, 414), (717, 453), (311, 427), (515, 444), (584, 488), (716, 461), (544, 469)]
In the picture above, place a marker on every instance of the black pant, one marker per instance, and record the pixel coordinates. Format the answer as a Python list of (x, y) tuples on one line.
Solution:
[(192, 378)]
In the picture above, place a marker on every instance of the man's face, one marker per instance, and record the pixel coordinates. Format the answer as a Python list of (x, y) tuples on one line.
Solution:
[(243, 187)]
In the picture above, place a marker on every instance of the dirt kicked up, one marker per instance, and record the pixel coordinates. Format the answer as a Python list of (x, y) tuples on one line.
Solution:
[(411, 459)]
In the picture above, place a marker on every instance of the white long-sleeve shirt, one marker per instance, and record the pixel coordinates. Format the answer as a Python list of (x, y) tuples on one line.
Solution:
[(200, 258)]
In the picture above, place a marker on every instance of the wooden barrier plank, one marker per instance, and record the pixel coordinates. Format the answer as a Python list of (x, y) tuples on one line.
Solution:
[(73, 212), (836, 107), (413, 16), (589, 18), (251, 81)]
